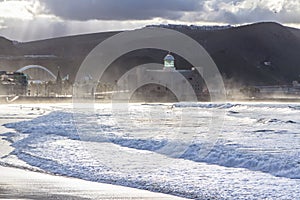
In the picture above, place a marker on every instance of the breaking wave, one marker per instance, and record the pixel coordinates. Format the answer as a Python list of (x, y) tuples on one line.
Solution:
[(61, 124)]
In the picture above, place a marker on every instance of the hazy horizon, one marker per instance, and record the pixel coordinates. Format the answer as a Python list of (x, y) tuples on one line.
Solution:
[(40, 19), (117, 30)]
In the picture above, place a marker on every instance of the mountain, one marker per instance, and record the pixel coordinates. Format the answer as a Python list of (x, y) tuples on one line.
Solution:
[(7, 47), (256, 54), (265, 53)]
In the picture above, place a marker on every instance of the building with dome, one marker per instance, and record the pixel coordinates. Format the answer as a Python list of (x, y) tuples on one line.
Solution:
[(164, 80), (169, 63)]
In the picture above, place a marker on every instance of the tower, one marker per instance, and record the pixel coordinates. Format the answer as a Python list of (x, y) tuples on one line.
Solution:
[(58, 82), (58, 77), (169, 62)]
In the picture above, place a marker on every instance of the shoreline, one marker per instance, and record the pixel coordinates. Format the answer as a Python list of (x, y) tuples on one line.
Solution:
[(183, 177), (69, 100), (22, 181), (24, 184)]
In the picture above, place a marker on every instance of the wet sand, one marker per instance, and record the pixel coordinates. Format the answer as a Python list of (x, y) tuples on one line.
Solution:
[(22, 184)]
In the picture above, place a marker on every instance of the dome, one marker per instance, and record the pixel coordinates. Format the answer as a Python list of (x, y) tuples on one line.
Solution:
[(169, 57), (169, 62)]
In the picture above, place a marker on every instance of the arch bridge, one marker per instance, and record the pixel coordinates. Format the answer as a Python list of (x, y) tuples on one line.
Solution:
[(38, 72)]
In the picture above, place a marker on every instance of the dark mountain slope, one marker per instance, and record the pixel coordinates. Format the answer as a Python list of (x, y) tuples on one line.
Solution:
[(70, 46), (7, 47), (260, 54), (241, 52)]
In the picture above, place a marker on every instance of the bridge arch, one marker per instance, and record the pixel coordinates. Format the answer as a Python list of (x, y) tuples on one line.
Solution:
[(28, 67)]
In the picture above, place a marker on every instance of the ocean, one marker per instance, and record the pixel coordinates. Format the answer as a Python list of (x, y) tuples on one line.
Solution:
[(192, 150)]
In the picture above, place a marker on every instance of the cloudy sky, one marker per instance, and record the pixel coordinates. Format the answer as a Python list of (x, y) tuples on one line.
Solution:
[(26, 20)]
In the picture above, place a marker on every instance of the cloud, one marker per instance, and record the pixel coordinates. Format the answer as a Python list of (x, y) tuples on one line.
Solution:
[(249, 11), (18, 9), (36, 19), (120, 9), (219, 11), (44, 27)]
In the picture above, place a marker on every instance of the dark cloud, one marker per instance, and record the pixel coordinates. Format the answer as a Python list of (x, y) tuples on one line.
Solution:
[(219, 11), (120, 9)]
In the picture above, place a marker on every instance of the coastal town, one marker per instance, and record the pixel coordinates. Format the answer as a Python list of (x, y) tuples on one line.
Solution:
[(37, 82)]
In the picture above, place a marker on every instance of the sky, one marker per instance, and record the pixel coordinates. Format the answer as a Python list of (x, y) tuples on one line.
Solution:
[(27, 20)]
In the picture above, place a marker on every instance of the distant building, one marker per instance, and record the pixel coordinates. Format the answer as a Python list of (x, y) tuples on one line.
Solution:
[(149, 83), (169, 63), (167, 79), (13, 83), (59, 87), (59, 82)]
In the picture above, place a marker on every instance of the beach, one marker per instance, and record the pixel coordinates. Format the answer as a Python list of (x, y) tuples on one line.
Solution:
[(150, 151), (18, 180), (23, 184)]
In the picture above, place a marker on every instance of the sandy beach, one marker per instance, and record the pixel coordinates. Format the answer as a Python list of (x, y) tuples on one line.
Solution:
[(23, 184)]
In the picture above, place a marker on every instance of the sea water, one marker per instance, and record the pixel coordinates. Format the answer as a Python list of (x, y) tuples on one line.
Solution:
[(193, 150)]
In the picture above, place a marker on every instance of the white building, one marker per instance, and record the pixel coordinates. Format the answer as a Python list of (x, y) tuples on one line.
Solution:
[(165, 83)]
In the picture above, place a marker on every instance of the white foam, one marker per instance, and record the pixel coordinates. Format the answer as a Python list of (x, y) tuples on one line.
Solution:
[(253, 158)]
